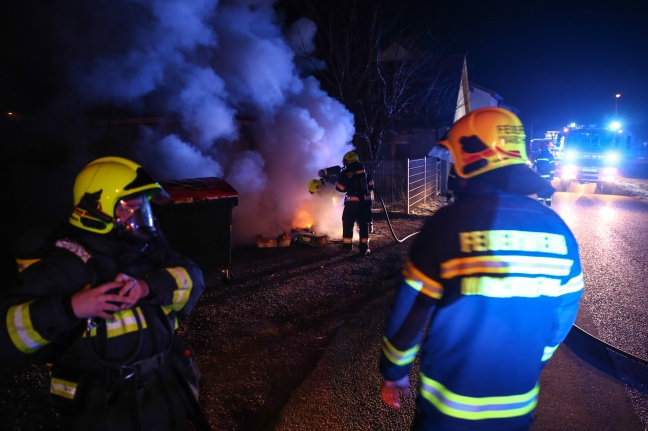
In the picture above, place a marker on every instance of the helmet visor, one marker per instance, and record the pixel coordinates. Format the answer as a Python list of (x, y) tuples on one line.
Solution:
[(134, 213)]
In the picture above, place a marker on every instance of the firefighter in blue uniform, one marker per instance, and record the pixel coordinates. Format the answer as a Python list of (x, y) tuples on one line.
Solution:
[(545, 166), (101, 306), (353, 181), (496, 276)]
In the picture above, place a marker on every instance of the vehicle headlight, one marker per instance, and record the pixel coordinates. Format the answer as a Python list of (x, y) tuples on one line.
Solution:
[(612, 156), (609, 175), (569, 155), (568, 172)]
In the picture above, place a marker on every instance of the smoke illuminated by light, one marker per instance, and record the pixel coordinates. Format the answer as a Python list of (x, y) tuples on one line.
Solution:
[(321, 213), (223, 77)]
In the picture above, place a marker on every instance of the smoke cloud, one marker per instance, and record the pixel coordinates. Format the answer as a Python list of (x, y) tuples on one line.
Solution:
[(231, 101)]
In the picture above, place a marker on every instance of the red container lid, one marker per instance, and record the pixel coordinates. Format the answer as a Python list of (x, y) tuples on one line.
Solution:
[(198, 189)]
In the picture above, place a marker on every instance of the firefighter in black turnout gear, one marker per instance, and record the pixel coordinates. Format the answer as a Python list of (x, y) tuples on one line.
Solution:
[(101, 307), (354, 182), (452, 186), (544, 165)]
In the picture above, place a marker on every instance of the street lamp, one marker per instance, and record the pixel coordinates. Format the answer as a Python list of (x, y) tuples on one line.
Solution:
[(616, 105)]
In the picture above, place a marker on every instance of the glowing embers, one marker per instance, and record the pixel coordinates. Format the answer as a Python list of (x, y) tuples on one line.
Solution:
[(282, 240)]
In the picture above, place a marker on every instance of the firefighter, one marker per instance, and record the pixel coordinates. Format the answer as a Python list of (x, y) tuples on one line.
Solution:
[(453, 185), (490, 289), (353, 181), (101, 306), (545, 165)]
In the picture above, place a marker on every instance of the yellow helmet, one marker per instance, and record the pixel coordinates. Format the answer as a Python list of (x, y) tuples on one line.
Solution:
[(486, 139), (314, 186), (349, 157), (102, 184)]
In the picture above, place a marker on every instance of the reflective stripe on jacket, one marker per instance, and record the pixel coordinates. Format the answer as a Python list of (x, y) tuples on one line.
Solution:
[(498, 279)]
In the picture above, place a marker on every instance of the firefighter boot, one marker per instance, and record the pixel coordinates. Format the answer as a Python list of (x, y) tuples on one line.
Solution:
[(364, 248), (347, 246)]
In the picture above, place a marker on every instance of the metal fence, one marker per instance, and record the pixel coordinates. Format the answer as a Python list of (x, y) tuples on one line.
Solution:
[(405, 184)]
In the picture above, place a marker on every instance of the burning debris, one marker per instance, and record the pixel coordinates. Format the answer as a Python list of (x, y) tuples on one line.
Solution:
[(298, 236), (307, 237), (282, 240)]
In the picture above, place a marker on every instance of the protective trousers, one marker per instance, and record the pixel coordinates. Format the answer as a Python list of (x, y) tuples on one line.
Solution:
[(356, 212)]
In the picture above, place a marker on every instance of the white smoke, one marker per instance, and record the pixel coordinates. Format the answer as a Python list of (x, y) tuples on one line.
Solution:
[(208, 64)]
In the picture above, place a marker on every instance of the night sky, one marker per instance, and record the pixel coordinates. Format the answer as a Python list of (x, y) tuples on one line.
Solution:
[(557, 62)]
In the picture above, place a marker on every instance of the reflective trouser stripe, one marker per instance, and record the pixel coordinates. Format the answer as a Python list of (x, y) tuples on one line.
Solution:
[(63, 388), (347, 240), (476, 408)]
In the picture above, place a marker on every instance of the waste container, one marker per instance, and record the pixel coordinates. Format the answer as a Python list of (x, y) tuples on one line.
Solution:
[(197, 220)]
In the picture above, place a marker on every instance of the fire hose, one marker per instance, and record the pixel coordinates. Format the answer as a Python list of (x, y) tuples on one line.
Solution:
[(389, 221)]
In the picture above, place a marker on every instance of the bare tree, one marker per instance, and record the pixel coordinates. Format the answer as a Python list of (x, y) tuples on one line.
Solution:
[(390, 78)]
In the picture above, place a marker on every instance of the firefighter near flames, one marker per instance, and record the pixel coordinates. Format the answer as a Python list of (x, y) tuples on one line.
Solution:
[(353, 181)]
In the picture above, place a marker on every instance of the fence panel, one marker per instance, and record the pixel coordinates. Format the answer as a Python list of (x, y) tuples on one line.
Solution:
[(416, 183), (405, 184), (390, 183)]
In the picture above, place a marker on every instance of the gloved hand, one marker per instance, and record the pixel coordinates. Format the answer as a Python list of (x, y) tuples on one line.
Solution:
[(132, 288), (101, 301), (389, 390), (321, 173)]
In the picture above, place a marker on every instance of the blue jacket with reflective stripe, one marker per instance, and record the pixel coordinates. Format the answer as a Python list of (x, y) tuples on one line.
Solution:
[(498, 278)]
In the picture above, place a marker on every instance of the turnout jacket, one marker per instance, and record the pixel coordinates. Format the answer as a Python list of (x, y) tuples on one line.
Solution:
[(498, 279), (39, 323), (353, 181), (545, 164)]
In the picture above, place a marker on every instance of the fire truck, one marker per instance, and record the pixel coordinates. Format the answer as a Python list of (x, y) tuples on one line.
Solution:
[(591, 154)]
